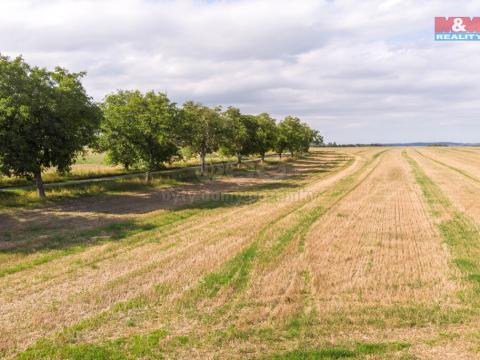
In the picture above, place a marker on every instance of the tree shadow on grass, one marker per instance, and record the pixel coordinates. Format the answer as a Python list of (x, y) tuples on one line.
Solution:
[(269, 186), (55, 232), (319, 164), (9, 198), (113, 216)]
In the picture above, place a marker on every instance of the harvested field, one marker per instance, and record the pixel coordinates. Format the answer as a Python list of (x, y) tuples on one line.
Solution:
[(451, 174), (345, 253)]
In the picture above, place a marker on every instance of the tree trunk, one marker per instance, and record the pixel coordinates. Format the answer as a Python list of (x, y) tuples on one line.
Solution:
[(148, 177), (202, 167), (39, 183), (263, 157), (239, 159), (280, 155)]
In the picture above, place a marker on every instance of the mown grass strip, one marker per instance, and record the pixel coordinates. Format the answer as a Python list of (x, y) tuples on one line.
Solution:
[(459, 232), (360, 350), (127, 231), (60, 246), (234, 273), (138, 346), (337, 194), (148, 346), (21, 198), (464, 173), (306, 317), (63, 345), (387, 317)]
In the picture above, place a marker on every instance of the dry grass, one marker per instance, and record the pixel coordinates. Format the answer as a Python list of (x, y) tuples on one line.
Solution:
[(465, 160), (125, 271), (94, 165), (459, 186), (343, 255), (379, 245)]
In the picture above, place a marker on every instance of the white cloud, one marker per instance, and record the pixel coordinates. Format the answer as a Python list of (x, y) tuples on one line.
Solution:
[(360, 71)]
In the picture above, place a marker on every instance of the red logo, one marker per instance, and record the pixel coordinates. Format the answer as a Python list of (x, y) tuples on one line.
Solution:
[(457, 25)]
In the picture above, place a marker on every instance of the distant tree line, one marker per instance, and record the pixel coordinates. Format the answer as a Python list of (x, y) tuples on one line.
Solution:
[(47, 120), (334, 144)]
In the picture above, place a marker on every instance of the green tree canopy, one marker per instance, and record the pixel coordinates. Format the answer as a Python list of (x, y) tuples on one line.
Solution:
[(46, 119), (317, 138), (266, 134), (204, 129), (294, 135), (140, 130), (236, 136)]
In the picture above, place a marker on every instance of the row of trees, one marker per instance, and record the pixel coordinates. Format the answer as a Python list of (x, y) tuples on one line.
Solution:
[(47, 120), (147, 130)]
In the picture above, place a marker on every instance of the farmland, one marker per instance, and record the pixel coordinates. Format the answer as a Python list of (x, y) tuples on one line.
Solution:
[(343, 253)]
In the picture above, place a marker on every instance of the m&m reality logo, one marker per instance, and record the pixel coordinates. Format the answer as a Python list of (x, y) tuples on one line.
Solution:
[(457, 28)]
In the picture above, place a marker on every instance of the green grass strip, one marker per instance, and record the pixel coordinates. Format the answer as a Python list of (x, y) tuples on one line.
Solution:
[(464, 173), (236, 271), (459, 232), (360, 350)]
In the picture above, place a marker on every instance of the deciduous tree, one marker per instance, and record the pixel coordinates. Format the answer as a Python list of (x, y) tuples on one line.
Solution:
[(204, 129), (46, 119), (140, 130), (266, 134), (294, 135), (236, 136), (317, 138)]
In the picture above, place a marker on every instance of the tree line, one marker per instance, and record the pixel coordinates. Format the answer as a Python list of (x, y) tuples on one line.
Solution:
[(47, 120), (334, 144)]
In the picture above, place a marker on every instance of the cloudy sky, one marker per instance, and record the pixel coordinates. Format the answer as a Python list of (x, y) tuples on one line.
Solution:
[(359, 71)]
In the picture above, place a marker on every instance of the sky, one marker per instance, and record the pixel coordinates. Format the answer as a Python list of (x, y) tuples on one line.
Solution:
[(358, 71)]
